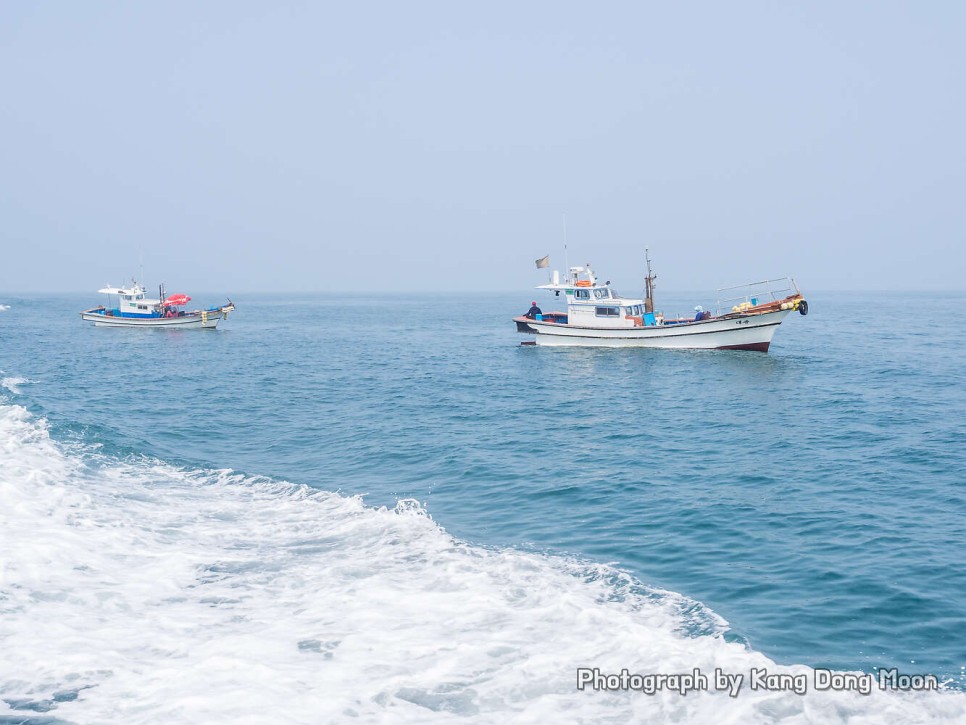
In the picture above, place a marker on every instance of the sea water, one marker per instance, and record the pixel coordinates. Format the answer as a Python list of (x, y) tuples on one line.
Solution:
[(385, 508)]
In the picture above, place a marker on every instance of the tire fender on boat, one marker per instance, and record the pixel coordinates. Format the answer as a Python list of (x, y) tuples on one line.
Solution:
[(803, 307)]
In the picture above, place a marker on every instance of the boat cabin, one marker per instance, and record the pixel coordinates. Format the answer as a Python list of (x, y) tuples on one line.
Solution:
[(591, 304), (131, 301)]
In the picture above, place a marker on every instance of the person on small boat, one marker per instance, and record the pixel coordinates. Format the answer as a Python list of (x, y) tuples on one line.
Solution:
[(701, 314), (534, 311)]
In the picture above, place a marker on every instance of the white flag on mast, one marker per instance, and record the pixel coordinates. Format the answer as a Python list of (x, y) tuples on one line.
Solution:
[(543, 262)]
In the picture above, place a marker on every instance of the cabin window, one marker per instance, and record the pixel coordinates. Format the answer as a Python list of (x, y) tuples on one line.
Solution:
[(600, 294), (582, 294), (608, 312), (142, 307)]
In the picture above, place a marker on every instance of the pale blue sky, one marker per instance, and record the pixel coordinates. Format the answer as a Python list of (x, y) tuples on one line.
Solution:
[(411, 145)]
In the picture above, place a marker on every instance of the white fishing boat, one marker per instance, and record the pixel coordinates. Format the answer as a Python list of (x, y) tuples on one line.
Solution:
[(134, 309), (746, 317)]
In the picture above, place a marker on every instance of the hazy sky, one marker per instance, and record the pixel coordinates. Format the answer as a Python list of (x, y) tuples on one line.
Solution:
[(414, 146)]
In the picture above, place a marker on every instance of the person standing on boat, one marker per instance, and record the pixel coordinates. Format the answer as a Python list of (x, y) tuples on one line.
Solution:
[(534, 311)]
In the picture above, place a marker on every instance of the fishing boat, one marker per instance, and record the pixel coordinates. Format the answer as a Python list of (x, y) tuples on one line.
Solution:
[(746, 316), (134, 309)]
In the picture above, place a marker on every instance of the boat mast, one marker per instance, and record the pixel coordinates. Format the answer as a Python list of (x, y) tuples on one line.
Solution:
[(566, 256), (648, 285)]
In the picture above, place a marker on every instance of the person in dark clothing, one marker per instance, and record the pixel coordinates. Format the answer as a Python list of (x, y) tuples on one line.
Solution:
[(534, 311)]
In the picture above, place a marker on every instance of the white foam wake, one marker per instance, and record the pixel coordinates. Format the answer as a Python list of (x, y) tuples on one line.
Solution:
[(135, 591), (13, 383), (4, 308)]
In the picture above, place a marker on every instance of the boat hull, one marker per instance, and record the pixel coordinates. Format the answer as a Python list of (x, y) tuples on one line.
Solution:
[(730, 332), (207, 320)]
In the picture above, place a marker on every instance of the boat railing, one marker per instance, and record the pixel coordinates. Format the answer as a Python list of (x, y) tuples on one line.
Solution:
[(755, 293)]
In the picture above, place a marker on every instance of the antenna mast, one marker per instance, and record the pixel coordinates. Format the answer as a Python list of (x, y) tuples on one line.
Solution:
[(648, 284), (566, 256)]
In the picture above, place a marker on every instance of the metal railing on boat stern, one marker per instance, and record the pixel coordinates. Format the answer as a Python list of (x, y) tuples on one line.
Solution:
[(756, 293)]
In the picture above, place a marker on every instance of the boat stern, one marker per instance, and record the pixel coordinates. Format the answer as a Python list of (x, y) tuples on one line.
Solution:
[(523, 325)]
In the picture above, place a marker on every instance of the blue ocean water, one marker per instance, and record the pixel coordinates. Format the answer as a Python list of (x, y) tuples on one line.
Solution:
[(807, 506)]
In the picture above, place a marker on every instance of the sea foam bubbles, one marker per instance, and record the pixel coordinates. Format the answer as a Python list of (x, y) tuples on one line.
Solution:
[(135, 590)]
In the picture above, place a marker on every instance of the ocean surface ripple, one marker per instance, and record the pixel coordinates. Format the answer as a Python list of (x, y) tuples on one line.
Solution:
[(385, 507)]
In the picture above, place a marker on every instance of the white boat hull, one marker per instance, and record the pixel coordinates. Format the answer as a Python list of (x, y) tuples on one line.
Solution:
[(207, 320), (731, 332)]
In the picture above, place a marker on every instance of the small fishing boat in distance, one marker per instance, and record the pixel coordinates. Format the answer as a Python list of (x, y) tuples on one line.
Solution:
[(134, 309), (746, 317)]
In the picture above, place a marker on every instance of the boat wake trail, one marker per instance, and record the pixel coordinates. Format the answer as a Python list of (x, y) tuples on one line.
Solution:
[(135, 590)]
